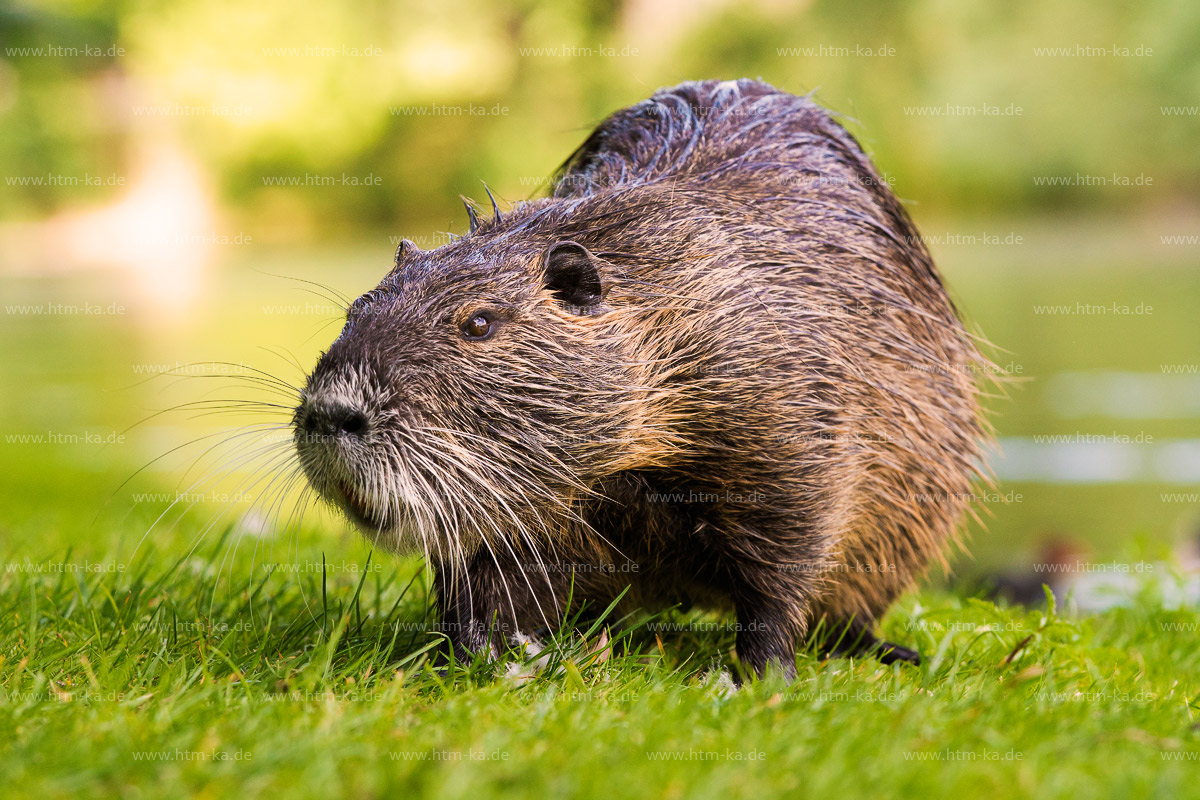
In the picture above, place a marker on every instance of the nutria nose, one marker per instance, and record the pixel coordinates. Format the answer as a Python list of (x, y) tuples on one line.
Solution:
[(330, 418)]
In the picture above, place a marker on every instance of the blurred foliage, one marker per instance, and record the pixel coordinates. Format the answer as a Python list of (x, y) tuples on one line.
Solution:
[(430, 98), (398, 91)]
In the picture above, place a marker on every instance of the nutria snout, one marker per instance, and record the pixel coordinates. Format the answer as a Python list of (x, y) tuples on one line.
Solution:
[(716, 363)]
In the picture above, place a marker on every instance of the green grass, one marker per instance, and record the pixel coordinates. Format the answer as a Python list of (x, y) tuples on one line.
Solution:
[(152, 680), (226, 673)]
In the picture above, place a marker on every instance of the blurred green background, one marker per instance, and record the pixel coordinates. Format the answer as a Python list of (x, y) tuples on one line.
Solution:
[(174, 171)]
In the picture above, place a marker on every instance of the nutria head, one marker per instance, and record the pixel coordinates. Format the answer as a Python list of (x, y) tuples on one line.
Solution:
[(468, 395)]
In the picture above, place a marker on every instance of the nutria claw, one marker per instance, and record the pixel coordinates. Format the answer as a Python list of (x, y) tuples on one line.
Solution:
[(890, 653)]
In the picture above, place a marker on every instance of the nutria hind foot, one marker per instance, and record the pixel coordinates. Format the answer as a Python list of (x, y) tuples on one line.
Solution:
[(853, 639), (890, 653)]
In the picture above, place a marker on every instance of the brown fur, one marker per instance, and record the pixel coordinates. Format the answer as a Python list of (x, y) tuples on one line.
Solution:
[(768, 405)]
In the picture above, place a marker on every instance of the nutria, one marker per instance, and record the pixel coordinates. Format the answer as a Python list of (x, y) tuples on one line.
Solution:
[(715, 365)]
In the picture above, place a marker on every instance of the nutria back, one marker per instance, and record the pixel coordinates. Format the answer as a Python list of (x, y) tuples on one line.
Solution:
[(717, 366)]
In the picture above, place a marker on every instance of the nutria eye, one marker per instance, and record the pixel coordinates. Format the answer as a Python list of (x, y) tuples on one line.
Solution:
[(479, 327)]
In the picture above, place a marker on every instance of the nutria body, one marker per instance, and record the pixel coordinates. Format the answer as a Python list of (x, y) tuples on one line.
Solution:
[(716, 365)]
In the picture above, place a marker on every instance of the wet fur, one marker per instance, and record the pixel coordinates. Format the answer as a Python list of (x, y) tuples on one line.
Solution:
[(773, 352)]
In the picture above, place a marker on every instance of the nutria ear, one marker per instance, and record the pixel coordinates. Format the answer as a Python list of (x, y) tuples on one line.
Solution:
[(573, 274), (406, 248)]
